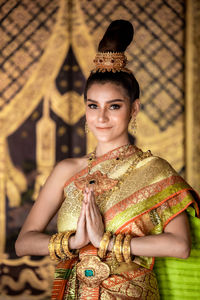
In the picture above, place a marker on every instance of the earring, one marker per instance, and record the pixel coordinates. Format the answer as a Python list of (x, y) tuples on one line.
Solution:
[(86, 128), (132, 126)]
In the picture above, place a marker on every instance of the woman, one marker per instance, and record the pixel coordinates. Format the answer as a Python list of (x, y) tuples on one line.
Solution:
[(121, 206)]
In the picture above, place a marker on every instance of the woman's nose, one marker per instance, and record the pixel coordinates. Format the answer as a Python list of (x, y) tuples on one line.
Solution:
[(103, 116)]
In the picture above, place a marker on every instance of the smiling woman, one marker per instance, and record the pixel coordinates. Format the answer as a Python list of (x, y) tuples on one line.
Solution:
[(120, 207), (108, 112)]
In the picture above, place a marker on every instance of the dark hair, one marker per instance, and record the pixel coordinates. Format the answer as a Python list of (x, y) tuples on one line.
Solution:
[(117, 38)]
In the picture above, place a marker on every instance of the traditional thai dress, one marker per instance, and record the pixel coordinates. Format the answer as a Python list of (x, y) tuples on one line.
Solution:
[(137, 193)]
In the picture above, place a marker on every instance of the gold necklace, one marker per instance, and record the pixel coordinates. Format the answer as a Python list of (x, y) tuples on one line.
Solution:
[(101, 181), (92, 157)]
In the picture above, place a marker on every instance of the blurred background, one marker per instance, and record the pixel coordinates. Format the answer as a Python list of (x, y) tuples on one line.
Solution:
[(46, 53)]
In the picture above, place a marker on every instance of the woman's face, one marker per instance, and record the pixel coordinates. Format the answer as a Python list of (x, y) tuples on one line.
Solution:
[(108, 112)]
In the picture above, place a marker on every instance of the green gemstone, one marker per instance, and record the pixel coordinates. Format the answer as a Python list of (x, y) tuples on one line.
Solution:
[(89, 273)]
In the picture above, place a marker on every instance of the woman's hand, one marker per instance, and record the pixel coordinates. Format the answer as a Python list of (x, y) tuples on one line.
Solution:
[(94, 222), (80, 239)]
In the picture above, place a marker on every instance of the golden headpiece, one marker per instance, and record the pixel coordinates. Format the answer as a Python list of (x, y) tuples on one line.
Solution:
[(110, 62)]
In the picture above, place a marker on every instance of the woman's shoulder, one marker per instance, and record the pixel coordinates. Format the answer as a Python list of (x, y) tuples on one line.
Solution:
[(157, 162), (160, 161), (69, 167)]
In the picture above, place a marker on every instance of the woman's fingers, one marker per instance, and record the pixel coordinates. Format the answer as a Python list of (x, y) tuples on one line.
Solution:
[(82, 216), (88, 214), (93, 207)]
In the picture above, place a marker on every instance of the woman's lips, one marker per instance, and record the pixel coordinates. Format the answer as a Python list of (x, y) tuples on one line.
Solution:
[(103, 128)]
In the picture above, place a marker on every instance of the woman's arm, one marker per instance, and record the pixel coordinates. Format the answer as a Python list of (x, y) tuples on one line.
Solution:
[(31, 240), (174, 242)]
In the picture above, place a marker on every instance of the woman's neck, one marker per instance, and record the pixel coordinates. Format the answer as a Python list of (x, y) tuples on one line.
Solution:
[(103, 148)]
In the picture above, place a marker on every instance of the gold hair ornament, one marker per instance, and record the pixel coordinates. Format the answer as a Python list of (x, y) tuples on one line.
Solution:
[(110, 62)]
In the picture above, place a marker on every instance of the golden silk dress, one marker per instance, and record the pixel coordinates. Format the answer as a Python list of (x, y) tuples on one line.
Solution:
[(137, 193)]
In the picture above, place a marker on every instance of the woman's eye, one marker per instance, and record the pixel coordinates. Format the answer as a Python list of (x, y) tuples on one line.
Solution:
[(92, 106), (115, 106)]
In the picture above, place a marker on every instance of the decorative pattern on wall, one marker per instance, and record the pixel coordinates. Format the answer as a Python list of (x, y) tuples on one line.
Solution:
[(193, 94), (47, 48)]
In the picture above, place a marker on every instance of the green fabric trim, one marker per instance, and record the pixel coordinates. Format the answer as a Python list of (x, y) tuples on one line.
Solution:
[(157, 229), (171, 211), (72, 289), (150, 202), (62, 273)]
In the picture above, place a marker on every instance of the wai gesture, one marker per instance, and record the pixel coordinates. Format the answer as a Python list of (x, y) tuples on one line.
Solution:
[(90, 226)]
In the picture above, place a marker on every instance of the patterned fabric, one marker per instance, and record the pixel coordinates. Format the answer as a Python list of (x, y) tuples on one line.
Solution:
[(147, 194)]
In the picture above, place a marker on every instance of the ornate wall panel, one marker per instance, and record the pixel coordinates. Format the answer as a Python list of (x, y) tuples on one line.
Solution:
[(46, 53), (193, 94)]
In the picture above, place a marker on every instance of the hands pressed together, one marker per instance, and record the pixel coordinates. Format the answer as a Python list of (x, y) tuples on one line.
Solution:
[(90, 226)]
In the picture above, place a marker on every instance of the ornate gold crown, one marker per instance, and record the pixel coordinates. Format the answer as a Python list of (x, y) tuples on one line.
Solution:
[(110, 62)]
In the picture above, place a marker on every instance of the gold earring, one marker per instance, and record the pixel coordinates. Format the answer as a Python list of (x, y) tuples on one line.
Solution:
[(132, 126), (86, 127)]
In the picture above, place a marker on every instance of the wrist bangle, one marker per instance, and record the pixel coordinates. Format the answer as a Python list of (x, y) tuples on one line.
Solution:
[(118, 247), (114, 239), (51, 247), (65, 244), (127, 248), (58, 245), (104, 244)]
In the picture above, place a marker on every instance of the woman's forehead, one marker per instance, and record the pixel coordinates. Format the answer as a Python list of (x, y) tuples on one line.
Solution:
[(106, 91)]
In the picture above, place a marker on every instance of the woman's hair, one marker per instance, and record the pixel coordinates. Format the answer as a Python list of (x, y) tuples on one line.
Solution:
[(117, 38)]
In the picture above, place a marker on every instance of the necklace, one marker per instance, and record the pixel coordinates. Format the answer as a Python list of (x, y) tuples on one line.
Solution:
[(101, 181), (122, 151)]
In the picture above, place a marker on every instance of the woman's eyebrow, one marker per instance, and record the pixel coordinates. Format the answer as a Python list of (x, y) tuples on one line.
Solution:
[(109, 101)]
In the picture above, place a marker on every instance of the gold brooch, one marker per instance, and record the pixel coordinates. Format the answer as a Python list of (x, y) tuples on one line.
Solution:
[(92, 271), (101, 182)]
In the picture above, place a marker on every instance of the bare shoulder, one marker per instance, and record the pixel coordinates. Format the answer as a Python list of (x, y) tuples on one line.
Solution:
[(66, 168)]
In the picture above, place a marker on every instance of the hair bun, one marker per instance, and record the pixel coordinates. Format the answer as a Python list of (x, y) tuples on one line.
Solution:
[(117, 37)]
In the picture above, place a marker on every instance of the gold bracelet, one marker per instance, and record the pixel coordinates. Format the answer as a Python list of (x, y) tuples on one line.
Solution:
[(127, 248), (114, 239), (58, 245), (65, 244), (51, 248), (118, 247), (104, 244)]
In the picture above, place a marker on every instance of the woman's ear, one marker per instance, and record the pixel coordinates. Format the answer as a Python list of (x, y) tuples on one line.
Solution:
[(135, 108)]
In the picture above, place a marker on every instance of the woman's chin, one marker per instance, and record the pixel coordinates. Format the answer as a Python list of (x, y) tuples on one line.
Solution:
[(102, 137), (106, 138)]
